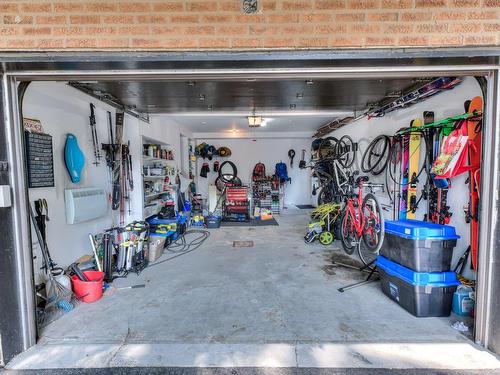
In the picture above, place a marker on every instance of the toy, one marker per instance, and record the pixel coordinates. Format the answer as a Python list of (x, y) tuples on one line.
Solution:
[(322, 228)]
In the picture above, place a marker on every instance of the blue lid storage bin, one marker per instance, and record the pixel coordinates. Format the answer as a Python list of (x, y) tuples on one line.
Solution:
[(422, 294), (180, 220), (419, 245), (416, 229)]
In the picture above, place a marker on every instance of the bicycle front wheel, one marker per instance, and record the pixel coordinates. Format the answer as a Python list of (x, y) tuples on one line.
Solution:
[(373, 229)]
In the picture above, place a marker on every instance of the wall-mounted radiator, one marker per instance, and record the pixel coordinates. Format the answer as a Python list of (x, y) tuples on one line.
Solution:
[(85, 204)]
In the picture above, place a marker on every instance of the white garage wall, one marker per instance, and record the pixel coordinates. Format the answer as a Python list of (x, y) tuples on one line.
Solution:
[(63, 109), (246, 152), (444, 105)]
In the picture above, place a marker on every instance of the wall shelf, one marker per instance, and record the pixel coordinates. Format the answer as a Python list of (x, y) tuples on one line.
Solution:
[(155, 177), (147, 196), (153, 159)]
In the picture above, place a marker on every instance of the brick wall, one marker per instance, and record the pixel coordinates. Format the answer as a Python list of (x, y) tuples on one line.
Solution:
[(221, 24)]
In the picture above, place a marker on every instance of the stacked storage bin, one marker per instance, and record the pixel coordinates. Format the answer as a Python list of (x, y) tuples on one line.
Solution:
[(155, 227), (414, 266)]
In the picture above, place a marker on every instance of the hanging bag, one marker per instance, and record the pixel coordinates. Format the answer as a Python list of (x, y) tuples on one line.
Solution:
[(259, 172), (453, 156), (281, 172)]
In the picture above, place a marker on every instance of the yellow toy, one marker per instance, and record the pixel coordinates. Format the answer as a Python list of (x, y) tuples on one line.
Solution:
[(322, 228)]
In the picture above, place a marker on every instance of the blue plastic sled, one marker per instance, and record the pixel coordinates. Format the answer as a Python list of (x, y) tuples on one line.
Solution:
[(74, 158)]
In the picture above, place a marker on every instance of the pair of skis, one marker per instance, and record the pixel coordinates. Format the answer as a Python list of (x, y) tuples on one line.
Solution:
[(119, 162), (438, 210), (410, 172), (95, 140)]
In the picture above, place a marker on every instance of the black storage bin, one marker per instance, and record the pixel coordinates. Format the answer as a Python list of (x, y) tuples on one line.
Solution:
[(212, 222), (421, 294), (419, 245)]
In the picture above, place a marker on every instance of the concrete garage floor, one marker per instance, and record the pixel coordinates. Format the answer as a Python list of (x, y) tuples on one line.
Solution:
[(270, 305)]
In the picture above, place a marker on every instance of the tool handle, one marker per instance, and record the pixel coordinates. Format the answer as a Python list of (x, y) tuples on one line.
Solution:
[(78, 272)]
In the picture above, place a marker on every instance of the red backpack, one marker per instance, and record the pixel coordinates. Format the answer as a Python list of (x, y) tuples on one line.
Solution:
[(259, 171)]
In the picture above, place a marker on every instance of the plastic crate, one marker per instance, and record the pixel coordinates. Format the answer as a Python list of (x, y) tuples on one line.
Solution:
[(213, 222), (419, 245), (423, 294)]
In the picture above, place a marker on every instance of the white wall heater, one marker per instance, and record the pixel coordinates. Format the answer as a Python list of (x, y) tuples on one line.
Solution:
[(85, 204)]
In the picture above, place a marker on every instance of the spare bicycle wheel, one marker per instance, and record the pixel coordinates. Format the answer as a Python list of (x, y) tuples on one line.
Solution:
[(376, 155), (345, 151), (326, 238)]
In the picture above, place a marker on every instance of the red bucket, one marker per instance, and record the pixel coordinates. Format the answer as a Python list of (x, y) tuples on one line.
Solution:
[(88, 291)]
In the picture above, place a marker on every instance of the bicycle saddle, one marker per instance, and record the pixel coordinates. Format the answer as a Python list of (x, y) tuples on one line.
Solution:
[(361, 179)]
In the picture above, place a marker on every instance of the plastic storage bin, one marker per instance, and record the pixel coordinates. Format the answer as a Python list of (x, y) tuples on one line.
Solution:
[(156, 245), (419, 245), (422, 294), (212, 222)]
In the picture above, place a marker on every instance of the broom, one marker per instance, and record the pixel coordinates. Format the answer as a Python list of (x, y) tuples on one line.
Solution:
[(57, 295)]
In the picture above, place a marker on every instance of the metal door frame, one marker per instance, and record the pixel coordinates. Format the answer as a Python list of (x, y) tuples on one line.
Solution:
[(489, 183)]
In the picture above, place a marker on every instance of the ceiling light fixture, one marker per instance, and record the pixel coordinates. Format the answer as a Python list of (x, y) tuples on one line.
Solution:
[(191, 83), (201, 98), (309, 82), (254, 121)]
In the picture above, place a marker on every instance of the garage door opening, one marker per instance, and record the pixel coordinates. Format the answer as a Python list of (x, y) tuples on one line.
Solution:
[(206, 153)]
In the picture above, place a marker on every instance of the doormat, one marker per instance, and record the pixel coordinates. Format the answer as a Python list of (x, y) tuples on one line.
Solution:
[(242, 243), (251, 223), (304, 206)]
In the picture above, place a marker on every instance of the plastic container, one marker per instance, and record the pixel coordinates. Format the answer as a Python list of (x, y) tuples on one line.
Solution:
[(156, 245), (419, 245), (88, 291), (212, 222), (422, 294), (464, 301), (153, 220)]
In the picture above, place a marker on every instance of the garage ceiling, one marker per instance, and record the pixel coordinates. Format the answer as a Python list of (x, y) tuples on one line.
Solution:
[(201, 124), (265, 95)]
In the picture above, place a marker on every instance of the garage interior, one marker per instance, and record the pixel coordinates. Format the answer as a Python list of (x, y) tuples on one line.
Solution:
[(256, 284)]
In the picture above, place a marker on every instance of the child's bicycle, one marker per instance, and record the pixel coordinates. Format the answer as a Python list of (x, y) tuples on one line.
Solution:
[(362, 218), (322, 228)]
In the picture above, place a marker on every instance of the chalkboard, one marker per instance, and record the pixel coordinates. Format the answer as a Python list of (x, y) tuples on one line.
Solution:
[(39, 159)]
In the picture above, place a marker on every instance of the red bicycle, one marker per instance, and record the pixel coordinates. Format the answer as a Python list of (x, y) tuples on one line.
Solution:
[(362, 218)]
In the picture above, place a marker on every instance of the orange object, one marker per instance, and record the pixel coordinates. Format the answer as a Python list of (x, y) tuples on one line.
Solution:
[(475, 136)]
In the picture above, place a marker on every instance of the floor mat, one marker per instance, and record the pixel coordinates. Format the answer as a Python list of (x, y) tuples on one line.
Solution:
[(304, 206), (251, 223), (242, 243)]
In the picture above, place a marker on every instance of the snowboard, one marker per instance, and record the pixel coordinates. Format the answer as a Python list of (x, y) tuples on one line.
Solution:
[(413, 169), (404, 174), (475, 138)]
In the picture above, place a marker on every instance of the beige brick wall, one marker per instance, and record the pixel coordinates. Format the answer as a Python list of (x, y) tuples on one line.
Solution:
[(221, 24)]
